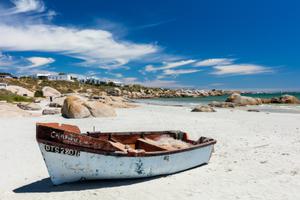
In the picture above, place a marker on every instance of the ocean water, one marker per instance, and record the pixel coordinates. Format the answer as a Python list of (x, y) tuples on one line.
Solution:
[(193, 101)]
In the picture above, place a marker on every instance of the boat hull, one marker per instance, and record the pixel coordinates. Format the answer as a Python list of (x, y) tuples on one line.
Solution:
[(71, 165)]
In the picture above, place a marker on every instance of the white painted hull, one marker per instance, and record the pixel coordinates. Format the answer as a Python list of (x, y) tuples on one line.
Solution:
[(88, 166)]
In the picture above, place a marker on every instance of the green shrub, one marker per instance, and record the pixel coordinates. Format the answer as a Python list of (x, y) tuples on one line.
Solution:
[(11, 97), (38, 93)]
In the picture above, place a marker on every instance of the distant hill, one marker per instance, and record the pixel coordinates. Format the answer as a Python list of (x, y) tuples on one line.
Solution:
[(130, 91), (71, 87)]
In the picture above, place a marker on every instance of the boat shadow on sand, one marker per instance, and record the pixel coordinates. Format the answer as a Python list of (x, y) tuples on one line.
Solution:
[(45, 185)]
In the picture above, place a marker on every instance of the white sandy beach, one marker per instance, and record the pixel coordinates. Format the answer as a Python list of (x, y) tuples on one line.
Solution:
[(257, 157)]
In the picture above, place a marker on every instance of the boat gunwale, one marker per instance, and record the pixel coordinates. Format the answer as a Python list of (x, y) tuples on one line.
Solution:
[(125, 154)]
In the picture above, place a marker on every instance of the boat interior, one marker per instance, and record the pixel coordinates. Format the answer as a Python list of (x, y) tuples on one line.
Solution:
[(122, 142)]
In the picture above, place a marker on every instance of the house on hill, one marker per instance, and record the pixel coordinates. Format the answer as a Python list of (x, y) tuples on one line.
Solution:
[(92, 80), (60, 77), (97, 81), (54, 77), (5, 75), (40, 76), (3, 85)]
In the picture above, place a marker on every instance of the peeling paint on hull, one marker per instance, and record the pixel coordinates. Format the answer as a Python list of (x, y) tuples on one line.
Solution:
[(73, 166)]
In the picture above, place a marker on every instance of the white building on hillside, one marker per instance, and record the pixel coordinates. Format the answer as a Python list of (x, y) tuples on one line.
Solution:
[(40, 76), (5, 75), (3, 85), (91, 80), (116, 82), (60, 77)]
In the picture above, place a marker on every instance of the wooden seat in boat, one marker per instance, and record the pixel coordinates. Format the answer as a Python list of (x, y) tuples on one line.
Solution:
[(149, 145)]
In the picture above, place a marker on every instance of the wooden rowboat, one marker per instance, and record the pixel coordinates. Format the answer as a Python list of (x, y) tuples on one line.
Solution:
[(71, 156)]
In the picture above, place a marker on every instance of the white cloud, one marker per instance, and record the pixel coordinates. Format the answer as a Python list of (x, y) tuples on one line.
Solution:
[(23, 6), (240, 69), (39, 61), (113, 67), (130, 80), (216, 84), (149, 68), (162, 76), (179, 71), (93, 46), (155, 24), (226, 66), (168, 65), (164, 84), (32, 71), (5, 60), (153, 83), (50, 14), (118, 75), (214, 61), (21, 65)]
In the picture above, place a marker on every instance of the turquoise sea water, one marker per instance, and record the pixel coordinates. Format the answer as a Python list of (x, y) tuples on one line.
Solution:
[(192, 101)]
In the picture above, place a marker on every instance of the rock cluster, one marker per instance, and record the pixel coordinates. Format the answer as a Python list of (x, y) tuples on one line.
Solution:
[(203, 108), (166, 93), (98, 109), (116, 102), (12, 110), (29, 106), (218, 104), (114, 91), (20, 90), (78, 107), (253, 110), (50, 92), (57, 102), (239, 100), (287, 99), (51, 111), (236, 99)]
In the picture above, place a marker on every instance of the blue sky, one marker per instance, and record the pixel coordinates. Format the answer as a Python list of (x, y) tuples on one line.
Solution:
[(231, 44)]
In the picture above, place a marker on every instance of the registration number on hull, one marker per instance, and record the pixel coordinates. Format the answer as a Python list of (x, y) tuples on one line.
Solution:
[(62, 150)]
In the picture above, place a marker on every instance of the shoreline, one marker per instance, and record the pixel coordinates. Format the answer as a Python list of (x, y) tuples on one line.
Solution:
[(272, 108)]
